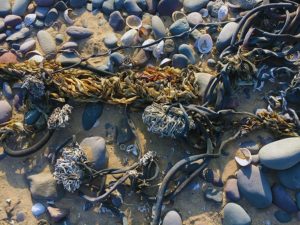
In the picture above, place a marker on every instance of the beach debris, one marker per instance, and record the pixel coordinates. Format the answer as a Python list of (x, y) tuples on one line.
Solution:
[(243, 157)]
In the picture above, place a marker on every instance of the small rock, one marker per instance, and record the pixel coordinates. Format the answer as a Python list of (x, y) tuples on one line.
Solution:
[(129, 38), (225, 36), (117, 59), (68, 58), (132, 7), (20, 6), (214, 195), (12, 20), (51, 17), (140, 58), (234, 214), (27, 46), (78, 32), (39, 24), (169, 46), (69, 45), (254, 186), (38, 209), (91, 114), (78, 3), (5, 111), (194, 5), (108, 7), (281, 155), (41, 12), (290, 178), (7, 91), (283, 200), (194, 19), (4, 8), (21, 34), (59, 38), (124, 133), (167, 7), (282, 216), (158, 27), (20, 217), (213, 8), (172, 218), (31, 117), (110, 40), (95, 150), (46, 42), (116, 21), (179, 26), (231, 190), (180, 61), (211, 63), (152, 5), (188, 52), (57, 214), (8, 57)]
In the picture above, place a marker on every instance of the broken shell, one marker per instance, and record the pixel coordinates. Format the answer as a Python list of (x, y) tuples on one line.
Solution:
[(134, 22), (159, 50), (147, 42), (67, 17), (178, 15), (29, 19), (243, 156), (165, 62), (204, 43), (222, 13)]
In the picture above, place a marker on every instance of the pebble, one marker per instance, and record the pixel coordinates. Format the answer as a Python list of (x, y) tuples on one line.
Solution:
[(41, 12), (254, 186), (211, 63), (194, 5), (68, 58), (194, 19), (213, 194), (59, 38), (179, 26), (20, 217), (95, 149), (116, 59), (188, 52), (110, 40), (158, 27), (172, 218), (234, 214), (77, 32), (78, 3), (282, 216), (282, 154), (39, 24), (21, 34), (283, 200), (4, 8), (180, 61), (97, 4), (140, 58), (38, 209), (116, 21), (231, 190), (124, 133), (152, 6), (129, 38), (27, 46), (69, 45), (108, 7), (20, 6), (8, 57), (5, 111), (12, 20), (290, 178), (57, 214), (29, 19), (43, 186), (167, 7), (44, 2), (92, 112), (7, 91), (213, 8), (169, 46), (225, 36), (31, 117), (46, 42), (132, 7)]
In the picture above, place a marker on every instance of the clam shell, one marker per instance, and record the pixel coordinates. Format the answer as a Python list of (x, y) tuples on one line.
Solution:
[(67, 17), (149, 41), (204, 43), (223, 13), (134, 22), (178, 15), (159, 50), (247, 158)]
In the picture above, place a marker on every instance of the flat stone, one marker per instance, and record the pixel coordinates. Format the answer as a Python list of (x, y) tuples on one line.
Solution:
[(231, 190), (194, 18), (21, 34), (41, 12), (167, 7), (79, 32), (282, 154), (46, 42), (12, 20), (234, 214), (5, 111), (69, 45), (110, 40), (180, 61), (91, 114), (290, 178), (116, 59), (188, 52), (283, 200), (116, 21), (254, 186), (282, 216), (194, 5), (20, 6), (158, 27), (179, 26), (172, 218), (8, 57), (132, 7), (27, 46), (68, 58), (95, 150), (225, 36), (5, 8)]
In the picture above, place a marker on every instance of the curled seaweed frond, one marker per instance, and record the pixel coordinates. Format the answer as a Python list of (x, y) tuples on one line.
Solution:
[(67, 170), (60, 117)]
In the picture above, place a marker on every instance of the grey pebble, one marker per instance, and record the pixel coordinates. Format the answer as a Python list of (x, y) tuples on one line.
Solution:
[(116, 21), (77, 32), (46, 42), (179, 26), (110, 40), (20, 6), (180, 61), (158, 27), (234, 214)]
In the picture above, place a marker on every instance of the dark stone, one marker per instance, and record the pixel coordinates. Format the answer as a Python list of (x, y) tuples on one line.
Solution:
[(231, 190), (32, 116), (44, 2), (41, 12), (179, 26), (290, 178), (180, 61), (282, 216), (167, 7), (283, 200), (79, 32), (132, 7), (116, 21), (124, 133), (91, 114), (194, 5), (78, 3)]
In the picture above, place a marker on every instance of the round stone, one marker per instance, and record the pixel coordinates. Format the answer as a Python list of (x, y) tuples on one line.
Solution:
[(172, 218), (234, 214)]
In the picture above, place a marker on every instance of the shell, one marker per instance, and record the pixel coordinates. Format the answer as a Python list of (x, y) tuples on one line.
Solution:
[(134, 22), (149, 41), (247, 157), (223, 13), (67, 17), (159, 50), (178, 15), (165, 62), (204, 43)]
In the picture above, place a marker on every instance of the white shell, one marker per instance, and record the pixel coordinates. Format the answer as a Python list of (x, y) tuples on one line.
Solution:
[(67, 18), (29, 19), (248, 157), (149, 41), (134, 22), (165, 62), (222, 13), (129, 38), (204, 12), (36, 58), (204, 43), (159, 50)]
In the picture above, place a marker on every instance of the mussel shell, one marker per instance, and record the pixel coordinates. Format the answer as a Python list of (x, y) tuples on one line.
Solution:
[(134, 22), (204, 43), (165, 62), (67, 17)]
